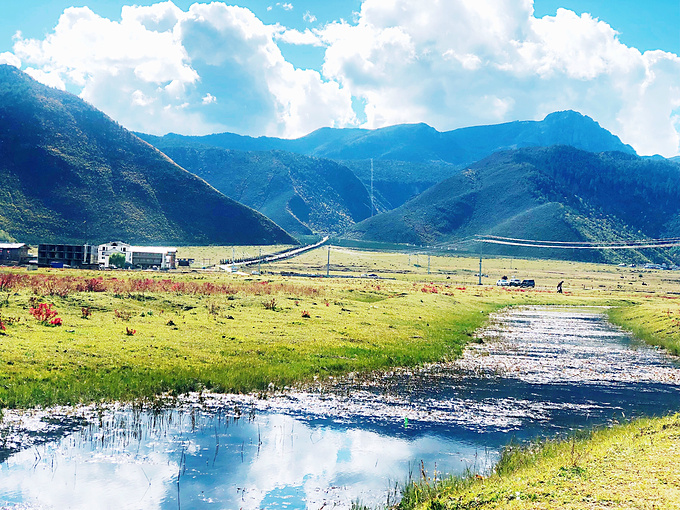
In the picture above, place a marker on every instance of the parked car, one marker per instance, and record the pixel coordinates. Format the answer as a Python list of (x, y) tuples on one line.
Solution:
[(503, 283), (527, 283), (515, 282)]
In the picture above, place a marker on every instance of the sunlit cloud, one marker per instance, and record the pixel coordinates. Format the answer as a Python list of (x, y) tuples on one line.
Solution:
[(449, 64), (10, 59), (158, 67), (457, 64)]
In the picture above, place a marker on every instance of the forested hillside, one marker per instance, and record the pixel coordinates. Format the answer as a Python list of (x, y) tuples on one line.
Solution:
[(302, 194), (558, 193)]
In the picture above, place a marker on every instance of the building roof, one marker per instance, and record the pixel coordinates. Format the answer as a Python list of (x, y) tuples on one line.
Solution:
[(152, 249), (11, 246)]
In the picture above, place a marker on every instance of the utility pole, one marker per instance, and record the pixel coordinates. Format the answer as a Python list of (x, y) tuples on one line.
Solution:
[(372, 199), (480, 262), (259, 267), (328, 262), (428, 263)]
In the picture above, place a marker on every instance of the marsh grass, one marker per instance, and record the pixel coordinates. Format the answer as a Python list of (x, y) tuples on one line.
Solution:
[(656, 320), (194, 332), (626, 466)]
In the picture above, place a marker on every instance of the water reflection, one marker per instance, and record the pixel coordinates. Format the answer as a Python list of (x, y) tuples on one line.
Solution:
[(192, 460), (538, 372)]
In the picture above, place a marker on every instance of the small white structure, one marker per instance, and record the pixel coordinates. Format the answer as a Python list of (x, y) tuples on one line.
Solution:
[(104, 251), (159, 257)]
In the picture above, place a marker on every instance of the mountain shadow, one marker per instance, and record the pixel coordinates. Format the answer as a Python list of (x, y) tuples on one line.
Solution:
[(302, 194)]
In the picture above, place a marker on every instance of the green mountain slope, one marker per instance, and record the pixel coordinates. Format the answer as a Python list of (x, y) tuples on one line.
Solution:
[(69, 173), (558, 193), (299, 193)]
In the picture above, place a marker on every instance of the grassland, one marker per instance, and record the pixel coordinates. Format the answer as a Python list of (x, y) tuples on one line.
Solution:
[(128, 335)]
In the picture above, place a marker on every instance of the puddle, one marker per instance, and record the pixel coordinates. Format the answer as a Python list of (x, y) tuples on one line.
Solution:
[(538, 372)]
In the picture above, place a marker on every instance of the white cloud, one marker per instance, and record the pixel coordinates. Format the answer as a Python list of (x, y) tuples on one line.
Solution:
[(309, 17), (450, 64), (10, 59), (152, 70), (306, 38), (453, 64)]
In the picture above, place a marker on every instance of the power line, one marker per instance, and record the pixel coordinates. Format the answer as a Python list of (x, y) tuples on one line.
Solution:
[(618, 245), (586, 243)]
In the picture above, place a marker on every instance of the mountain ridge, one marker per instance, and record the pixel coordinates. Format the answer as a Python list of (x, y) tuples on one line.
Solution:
[(302, 194), (421, 142)]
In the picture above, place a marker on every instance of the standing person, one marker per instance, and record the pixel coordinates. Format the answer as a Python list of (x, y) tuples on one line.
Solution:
[(559, 287)]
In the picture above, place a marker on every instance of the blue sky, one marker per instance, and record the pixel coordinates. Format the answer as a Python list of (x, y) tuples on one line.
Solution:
[(287, 68)]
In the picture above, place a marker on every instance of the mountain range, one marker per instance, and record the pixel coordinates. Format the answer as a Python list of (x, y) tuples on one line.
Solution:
[(406, 159), (422, 143), (68, 173)]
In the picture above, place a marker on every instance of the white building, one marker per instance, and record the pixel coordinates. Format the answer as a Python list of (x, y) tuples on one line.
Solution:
[(144, 257)]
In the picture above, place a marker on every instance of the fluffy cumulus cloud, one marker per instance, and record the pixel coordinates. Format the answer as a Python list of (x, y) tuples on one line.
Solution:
[(459, 63), (212, 68), (448, 63)]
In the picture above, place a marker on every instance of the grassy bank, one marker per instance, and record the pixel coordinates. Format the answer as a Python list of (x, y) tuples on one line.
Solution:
[(654, 320), (627, 466)]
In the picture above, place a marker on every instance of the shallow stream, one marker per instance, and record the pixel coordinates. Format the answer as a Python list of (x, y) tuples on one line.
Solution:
[(538, 372)]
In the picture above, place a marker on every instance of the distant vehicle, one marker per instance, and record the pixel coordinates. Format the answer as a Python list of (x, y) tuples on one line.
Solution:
[(515, 282), (527, 284), (503, 283), (623, 264)]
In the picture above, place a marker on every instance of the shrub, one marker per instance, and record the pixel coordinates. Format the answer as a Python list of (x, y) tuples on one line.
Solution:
[(117, 259), (43, 313), (130, 332), (56, 321), (122, 314), (270, 304), (85, 312), (95, 285), (305, 314)]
